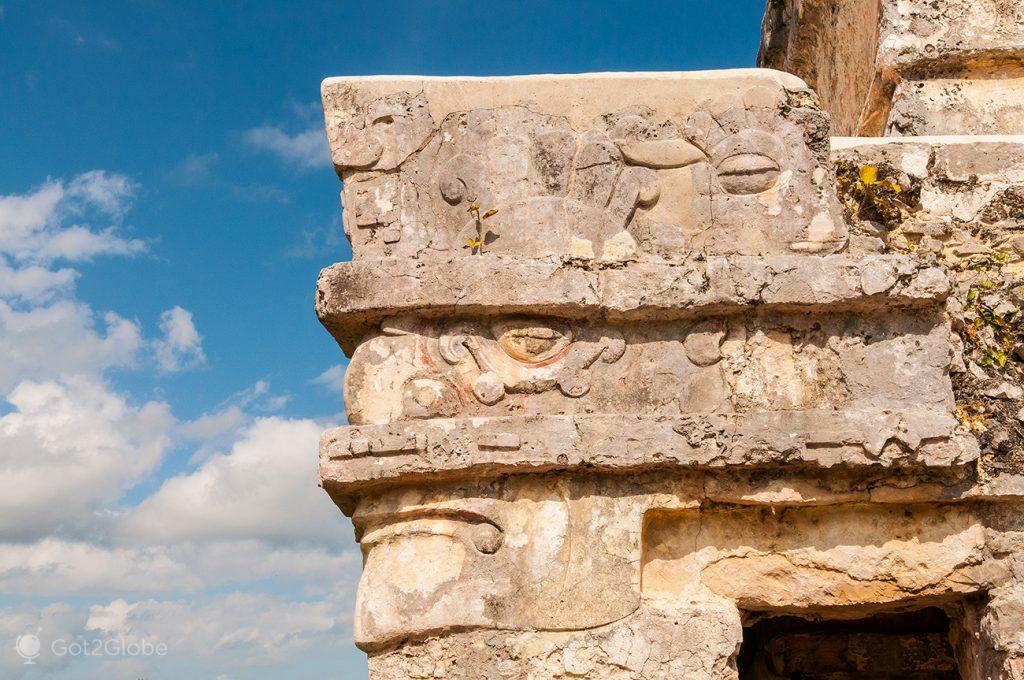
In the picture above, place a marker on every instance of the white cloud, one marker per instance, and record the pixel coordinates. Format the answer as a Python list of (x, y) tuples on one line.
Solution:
[(34, 227), (214, 425), (55, 567), (332, 379), (259, 398), (182, 346), (55, 621), (306, 149), (34, 284), (236, 562), (240, 629), (45, 331), (319, 240), (204, 636), (248, 518), (67, 449), (108, 192), (195, 170), (62, 338), (263, 488), (218, 430)]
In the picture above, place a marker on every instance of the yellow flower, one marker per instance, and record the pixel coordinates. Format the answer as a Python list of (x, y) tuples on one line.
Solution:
[(868, 174), (475, 207), (474, 243)]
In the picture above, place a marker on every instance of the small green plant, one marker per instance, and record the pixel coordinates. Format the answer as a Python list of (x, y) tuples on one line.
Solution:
[(991, 334), (985, 263), (476, 244), (988, 332)]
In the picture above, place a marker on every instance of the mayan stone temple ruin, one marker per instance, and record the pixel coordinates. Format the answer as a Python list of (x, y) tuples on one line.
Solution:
[(670, 375)]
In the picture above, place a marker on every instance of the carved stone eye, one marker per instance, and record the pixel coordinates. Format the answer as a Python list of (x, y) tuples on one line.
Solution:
[(748, 173), (453, 190), (487, 538), (531, 342)]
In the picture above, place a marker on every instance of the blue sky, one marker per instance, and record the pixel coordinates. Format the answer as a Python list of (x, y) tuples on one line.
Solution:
[(165, 162)]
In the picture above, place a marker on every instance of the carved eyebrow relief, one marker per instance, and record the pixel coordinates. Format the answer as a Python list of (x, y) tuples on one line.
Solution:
[(477, 530), (660, 154)]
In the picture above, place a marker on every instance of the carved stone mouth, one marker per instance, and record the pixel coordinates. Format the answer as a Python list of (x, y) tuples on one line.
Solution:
[(532, 342)]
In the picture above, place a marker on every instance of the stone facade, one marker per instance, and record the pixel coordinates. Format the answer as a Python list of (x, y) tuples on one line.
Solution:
[(652, 378)]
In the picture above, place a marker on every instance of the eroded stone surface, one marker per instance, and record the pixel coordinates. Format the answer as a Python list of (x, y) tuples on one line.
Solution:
[(533, 365), (793, 559), (965, 213), (555, 546), (355, 458), (696, 641), (519, 557)]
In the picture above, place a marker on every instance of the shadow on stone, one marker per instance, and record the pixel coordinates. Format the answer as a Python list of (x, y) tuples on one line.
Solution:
[(906, 646)]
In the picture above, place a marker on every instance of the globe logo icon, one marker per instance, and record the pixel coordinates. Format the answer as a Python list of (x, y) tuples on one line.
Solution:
[(28, 647)]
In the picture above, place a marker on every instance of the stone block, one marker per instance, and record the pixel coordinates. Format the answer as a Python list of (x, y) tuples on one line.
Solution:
[(610, 167)]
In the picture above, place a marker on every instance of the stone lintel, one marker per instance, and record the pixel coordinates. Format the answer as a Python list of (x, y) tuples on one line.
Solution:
[(598, 167), (353, 458), (354, 297), (969, 161)]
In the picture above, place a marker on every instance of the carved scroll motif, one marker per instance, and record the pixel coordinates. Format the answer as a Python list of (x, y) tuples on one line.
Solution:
[(492, 567), (528, 356)]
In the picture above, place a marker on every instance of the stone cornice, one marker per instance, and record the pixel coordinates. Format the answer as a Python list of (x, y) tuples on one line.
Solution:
[(360, 457), (354, 297)]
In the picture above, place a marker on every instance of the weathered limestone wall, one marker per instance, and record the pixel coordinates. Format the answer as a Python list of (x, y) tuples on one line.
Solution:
[(640, 388), (961, 207), (944, 188), (905, 67)]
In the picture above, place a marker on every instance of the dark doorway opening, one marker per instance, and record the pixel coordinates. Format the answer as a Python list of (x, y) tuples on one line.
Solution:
[(898, 646)]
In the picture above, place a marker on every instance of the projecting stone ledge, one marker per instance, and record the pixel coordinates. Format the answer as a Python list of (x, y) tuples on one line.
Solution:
[(355, 457), (354, 297)]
